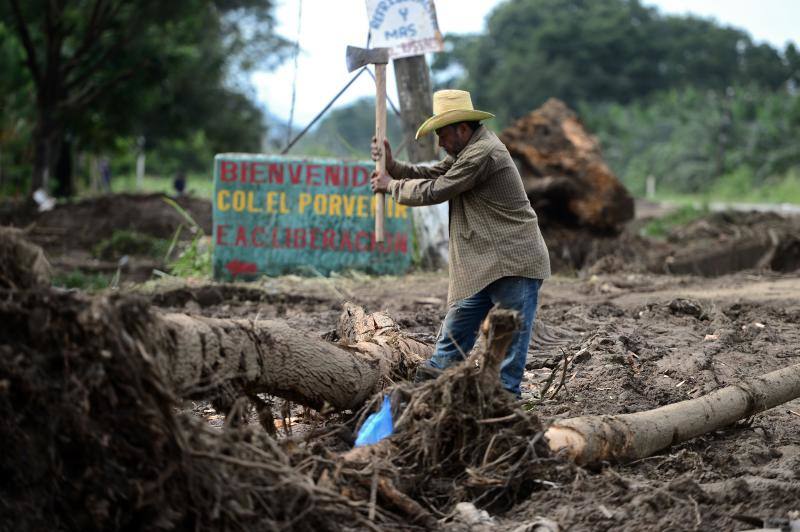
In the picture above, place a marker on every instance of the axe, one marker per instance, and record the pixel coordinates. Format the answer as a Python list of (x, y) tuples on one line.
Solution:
[(357, 58)]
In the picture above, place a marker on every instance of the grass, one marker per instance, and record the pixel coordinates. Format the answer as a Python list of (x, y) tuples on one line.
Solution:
[(200, 185), (125, 242), (90, 282), (660, 227)]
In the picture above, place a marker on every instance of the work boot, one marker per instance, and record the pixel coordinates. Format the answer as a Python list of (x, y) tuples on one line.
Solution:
[(426, 373)]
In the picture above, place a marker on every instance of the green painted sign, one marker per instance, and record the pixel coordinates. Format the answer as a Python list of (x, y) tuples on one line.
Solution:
[(275, 215)]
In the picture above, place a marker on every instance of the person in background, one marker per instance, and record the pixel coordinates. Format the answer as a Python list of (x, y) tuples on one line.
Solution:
[(179, 183)]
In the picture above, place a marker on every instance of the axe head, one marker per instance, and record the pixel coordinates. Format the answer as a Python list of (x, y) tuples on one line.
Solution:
[(359, 57)]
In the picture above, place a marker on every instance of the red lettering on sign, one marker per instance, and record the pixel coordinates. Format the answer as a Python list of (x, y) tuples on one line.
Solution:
[(328, 239), (346, 242), (258, 169), (360, 176), (221, 235), (400, 243), (241, 237), (276, 173), (253, 237), (227, 171), (294, 173), (380, 246), (314, 235), (299, 238), (332, 176), (359, 245), (313, 175)]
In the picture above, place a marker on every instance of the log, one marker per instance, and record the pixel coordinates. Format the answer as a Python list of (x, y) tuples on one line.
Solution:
[(564, 173), (243, 357), (592, 439)]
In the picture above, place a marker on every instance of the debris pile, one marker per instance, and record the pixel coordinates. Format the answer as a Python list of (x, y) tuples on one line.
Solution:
[(23, 265), (564, 174)]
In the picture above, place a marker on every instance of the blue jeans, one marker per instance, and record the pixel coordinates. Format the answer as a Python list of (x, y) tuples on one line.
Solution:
[(460, 327)]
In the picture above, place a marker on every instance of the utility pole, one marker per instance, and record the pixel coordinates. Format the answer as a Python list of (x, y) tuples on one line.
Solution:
[(416, 105)]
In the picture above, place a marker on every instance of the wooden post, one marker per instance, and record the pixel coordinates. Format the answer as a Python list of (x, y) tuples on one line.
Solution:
[(416, 105), (380, 135)]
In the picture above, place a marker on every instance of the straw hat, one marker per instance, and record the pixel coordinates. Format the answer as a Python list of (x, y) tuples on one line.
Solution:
[(451, 106)]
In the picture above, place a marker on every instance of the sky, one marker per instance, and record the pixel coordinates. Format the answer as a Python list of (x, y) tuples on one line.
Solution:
[(328, 26)]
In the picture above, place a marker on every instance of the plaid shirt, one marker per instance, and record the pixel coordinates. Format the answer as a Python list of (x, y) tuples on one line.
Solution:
[(494, 231)]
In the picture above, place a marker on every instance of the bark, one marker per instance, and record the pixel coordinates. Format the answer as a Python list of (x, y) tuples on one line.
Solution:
[(626, 437), (202, 356), (416, 105)]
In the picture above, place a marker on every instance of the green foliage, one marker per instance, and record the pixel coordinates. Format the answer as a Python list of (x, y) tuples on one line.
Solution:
[(660, 227), (125, 242), (347, 132), (690, 139), (739, 186), (82, 75), (195, 260), (598, 51), (82, 281), (200, 185)]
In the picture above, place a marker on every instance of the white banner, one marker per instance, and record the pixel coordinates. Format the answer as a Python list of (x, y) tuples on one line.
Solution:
[(406, 27)]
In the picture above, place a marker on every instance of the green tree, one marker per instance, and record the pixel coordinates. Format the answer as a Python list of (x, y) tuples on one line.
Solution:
[(100, 69), (598, 51), (347, 132)]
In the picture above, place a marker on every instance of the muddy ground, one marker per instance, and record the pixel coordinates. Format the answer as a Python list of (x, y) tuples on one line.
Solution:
[(645, 341), (637, 340)]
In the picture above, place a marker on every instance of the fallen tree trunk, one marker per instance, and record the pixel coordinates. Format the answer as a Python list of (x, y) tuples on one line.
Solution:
[(199, 355), (626, 437)]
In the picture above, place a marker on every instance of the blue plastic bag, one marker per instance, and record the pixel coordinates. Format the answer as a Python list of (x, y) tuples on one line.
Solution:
[(377, 426)]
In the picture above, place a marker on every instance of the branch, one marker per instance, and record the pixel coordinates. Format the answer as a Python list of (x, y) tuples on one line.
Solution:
[(98, 18), (91, 92), (27, 43)]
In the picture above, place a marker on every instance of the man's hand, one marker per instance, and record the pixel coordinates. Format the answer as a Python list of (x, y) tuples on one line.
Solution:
[(375, 149), (380, 183)]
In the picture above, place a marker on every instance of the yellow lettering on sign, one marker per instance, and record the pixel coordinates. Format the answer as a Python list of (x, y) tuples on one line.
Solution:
[(303, 202), (239, 200), (223, 200), (250, 206), (272, 200), (283, 208), (335, 205), (362, 206), (349, 205), (320, 204)]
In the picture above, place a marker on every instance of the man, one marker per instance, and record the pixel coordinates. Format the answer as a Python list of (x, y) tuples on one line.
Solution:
[(497, 253)]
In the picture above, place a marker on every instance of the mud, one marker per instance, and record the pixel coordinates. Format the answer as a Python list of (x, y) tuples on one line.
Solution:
[(637, 341), (636, 331)]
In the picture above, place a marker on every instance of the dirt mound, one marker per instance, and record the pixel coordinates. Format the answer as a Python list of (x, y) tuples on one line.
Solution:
[(711, 246), (573, 250), (22, 264), (83, 224), (730, 241), (565, 176)]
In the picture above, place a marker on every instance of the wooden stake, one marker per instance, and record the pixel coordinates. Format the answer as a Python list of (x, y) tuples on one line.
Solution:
[(380, 134)]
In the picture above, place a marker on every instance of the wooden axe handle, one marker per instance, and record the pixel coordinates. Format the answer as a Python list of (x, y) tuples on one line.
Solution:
[(380, 135)]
